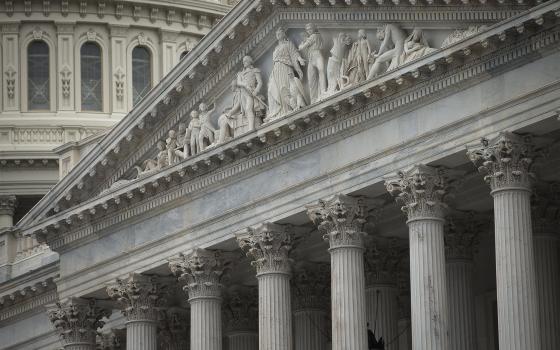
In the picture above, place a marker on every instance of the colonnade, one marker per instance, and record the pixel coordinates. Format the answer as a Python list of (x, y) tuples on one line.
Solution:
[(441, 252)]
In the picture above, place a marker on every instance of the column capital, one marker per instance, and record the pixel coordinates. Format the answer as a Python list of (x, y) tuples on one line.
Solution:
[(139, 296), (506, 160), (383, 259), (241, 309), (173, 329), (341, 219), (311, 285), (268, 245), (8, 204), (77, 320), (202, 271), (462, 235), (422, 190), (115, 339)]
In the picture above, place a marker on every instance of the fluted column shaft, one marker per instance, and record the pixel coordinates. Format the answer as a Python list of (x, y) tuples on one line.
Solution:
[(462, 331), (515, 271), (275, 312), (141, 335), (429, 301), (243, 340), (206, 323), (548, 286), (382, 313), (348, 303), (310, 326), (405, 334)]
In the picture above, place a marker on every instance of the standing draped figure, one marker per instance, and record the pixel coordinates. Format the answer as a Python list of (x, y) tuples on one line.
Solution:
[(286, 59), (312, 46)]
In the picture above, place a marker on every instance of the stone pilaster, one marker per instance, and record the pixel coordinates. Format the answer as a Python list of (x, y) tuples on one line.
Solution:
[(268, 245), (310, 289), (421, 191), (8, 206), (77, 322), (461, 239), (202, 271), (241, 315), (546, 220), (140, 298), (506, 160), (382, 262), (341, 219), (173, 329)]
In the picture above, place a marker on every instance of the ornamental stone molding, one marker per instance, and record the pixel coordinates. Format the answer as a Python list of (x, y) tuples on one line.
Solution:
[(341, 219), (241, 309), (422, 191), (173, 329), (506, 159), (8, 205), (462, 235), (268, 245), (383, 260), (311, 286), (201, 271), (77, 320), (139, 296)]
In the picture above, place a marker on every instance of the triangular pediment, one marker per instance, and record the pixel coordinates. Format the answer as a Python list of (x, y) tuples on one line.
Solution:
[(342, 46)]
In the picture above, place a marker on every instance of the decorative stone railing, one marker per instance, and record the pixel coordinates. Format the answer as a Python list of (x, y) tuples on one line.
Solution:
[(27, 246), (493, 39)]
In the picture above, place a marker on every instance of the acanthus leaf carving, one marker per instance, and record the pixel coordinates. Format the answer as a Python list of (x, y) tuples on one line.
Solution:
[(11, 75), (65, 75), (119, 83)]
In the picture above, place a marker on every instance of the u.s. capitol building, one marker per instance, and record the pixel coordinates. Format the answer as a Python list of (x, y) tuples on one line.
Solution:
[(317, 175)]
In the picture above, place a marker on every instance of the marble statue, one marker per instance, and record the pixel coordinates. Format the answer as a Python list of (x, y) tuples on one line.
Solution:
[(389, 34), (192, 134), (171, 145), (357, 69), (415, 47), (286, 59), (312, 46), (181, 131), (207, 131), (337, 62), (152, 165), (247, 99), (296, 97)]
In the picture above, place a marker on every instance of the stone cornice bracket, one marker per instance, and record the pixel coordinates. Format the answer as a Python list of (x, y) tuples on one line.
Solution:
[(241, 309), (506, 160), (268, 245), (422, 191), (311, 285), (139, 296), (8, 205), (77, 320), (462, 235), (201, 271), (383, 260), (341, 219), (173, 329)]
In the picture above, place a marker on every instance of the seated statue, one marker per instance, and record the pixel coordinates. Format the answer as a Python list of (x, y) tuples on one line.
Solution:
[(415, 46), (152, 165)]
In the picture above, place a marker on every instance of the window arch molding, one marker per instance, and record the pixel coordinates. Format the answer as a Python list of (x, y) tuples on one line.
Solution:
[(31, 37), (146, 43), (105, 88)]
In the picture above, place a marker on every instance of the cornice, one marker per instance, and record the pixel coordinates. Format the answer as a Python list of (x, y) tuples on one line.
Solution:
[(67, 229), (377, 90)]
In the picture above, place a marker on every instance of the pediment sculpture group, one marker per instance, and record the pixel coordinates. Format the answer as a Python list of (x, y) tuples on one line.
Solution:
[(351, 62)]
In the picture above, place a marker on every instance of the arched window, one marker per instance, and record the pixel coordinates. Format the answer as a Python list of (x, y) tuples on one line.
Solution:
[(38, 76), (90, 60), (141, 73)]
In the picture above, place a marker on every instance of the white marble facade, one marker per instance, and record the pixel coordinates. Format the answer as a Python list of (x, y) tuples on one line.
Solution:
[(334, 175)]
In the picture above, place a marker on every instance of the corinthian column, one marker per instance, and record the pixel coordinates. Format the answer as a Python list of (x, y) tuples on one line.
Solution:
[(546, 215), (507, 161), (268, 245), (77, 321), (421, 191), (461, 238), (341, 219), (310, 287), (241, 315), (382, 262), (140, 298), (202, 272)]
